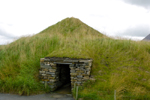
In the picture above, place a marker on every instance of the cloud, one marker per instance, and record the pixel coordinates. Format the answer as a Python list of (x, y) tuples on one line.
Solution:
[(143, 3), (6, 35), (139, 31)]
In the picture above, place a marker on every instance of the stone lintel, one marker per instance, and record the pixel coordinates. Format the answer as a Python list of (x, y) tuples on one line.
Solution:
[(64, 60)]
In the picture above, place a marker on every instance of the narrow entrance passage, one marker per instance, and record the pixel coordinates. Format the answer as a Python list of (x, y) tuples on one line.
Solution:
[(64, 79)]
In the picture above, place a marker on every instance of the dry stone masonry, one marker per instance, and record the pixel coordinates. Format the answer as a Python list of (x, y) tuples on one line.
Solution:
[(56, 72)]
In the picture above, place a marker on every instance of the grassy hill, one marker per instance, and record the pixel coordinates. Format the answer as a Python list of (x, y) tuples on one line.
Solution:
[(121, 65)]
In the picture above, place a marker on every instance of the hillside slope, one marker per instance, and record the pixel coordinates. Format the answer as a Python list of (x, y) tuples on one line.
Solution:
[(121, 65)]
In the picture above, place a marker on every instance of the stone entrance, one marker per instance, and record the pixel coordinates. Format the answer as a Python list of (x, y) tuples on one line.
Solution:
[(56, 72)]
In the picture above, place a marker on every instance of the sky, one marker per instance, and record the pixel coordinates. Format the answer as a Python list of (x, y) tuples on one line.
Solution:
[(116, 18)]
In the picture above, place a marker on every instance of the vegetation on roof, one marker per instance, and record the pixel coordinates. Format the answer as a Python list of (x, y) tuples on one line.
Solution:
[(118, 64)]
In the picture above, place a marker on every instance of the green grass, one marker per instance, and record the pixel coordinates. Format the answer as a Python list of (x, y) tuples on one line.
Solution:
[(118, 64)]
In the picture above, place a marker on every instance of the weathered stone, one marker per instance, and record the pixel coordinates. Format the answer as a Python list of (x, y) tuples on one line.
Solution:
[(52, 80), (45, 66), (87, 66), (42, 63), (82, 66), (73, 74), (72, 77), (42, 72), (53, 65), (71, 65), (79, 76), (88, 69), (52, 73), (52, 70), (88, 73), (72, 71), (90, 60), (72, 80), (90, 64), (42, 59), (80, 71), (48, 75), (72, 68), (79, 79), (77, 69)]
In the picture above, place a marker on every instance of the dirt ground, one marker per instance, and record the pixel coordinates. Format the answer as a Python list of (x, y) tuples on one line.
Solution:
[(50, 96), (63, 93)]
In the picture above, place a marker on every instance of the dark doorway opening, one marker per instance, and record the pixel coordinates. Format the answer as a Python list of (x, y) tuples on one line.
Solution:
[(64, 79)]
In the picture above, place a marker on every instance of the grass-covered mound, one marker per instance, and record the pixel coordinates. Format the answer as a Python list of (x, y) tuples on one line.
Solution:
[(121, 65)]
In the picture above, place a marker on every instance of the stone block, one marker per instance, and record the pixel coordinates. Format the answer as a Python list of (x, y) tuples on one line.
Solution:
[(42, 72), (73, 74), (52, 80), (45, 69), (72, 80), (72, 77), (79, 79), (79, 76), (82, 66), (52, 70), (45, 77), (86, 77), (53, 65), (87, 67), (72, 68), (82, 60), (45, 66), (90, 64), (77, 69), (53, 75), (48, 73), (71, 65), (72, 71), (80, 71), (88, 72), (42, 63), (42, 59)]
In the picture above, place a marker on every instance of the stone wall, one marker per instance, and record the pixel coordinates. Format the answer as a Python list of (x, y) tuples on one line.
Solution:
[(53, 71)]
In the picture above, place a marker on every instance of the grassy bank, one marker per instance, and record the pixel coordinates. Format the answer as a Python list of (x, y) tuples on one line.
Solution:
[(121, 65)]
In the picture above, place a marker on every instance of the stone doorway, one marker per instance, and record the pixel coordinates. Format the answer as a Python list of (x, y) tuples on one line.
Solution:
[(56, 72), (64, 78)]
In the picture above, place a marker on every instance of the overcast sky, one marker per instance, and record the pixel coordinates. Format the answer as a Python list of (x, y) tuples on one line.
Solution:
[(121, 18)]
